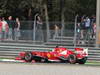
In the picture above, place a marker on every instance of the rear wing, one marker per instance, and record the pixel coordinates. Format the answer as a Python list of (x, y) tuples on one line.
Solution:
[(85, 50), (81, 51)]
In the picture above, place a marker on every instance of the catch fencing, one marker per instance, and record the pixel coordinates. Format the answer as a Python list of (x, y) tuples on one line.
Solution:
[(31, 31), (36, 32)]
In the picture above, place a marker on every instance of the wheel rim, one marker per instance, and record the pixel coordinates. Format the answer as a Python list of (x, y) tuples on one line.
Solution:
[(72, 59), (28, 56)]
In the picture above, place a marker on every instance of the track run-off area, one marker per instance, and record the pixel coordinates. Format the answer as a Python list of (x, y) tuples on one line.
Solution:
[(12, 68)]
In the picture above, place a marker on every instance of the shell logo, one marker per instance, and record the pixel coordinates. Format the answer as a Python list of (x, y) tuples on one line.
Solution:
[(48, 55), (59, 51)]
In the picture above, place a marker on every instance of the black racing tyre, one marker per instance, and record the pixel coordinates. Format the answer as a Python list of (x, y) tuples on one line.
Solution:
[(28, 56), (82, 61), (72, 59)]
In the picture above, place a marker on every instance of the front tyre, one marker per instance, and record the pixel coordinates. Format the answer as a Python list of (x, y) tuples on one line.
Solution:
[(28, 56)]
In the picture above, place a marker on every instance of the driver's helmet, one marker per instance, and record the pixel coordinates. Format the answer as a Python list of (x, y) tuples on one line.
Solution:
[(57, 46)]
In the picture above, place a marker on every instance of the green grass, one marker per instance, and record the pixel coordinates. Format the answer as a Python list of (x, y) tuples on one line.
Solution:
[(93, 63), (6, 58)]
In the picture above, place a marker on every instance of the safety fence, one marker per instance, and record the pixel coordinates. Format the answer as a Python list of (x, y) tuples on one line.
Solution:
[(31, 31)]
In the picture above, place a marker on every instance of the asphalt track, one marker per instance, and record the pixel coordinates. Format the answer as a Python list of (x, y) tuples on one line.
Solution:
[(7, 68)]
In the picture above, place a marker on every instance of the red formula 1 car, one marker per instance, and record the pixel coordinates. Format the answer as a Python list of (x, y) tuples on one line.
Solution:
[(58, 54)]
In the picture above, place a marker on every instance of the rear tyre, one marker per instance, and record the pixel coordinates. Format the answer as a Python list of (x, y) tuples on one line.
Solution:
[(72, 59), (28, 56), (82, 61)]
